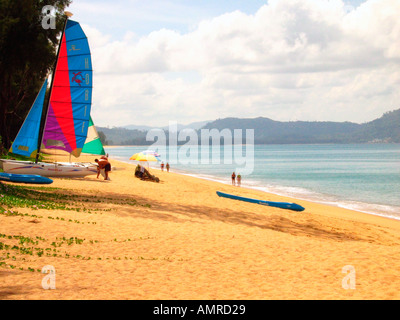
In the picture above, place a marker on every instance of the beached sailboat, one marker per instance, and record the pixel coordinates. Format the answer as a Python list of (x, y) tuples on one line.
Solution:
[(65, 123)]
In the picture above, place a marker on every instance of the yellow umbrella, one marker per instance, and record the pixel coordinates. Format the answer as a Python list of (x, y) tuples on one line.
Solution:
[(145, 157)]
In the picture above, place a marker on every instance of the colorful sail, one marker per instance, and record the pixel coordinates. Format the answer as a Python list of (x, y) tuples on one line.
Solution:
[(93, 144), (25, 144), (71, 96)]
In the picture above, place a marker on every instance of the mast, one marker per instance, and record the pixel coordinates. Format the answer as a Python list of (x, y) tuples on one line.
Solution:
[(46, 105)]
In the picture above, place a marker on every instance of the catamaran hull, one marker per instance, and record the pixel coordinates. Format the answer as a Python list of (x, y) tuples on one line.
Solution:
[(24, 178), (49, 169)]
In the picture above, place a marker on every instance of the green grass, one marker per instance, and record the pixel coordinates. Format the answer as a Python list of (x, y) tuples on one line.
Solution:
[(16, 249), (49, 198)]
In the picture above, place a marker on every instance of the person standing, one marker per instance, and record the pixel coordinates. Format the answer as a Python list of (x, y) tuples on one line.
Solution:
[(233, 178), (239, 180), (162, 166), (167, 166)]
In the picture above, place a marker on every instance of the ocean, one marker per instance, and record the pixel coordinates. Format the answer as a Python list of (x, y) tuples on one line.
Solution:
[(361, 177)]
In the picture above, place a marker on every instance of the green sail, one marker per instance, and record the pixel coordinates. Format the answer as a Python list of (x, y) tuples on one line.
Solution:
[(93, 144)]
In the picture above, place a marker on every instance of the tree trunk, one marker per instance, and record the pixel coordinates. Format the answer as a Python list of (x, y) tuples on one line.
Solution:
[(4, 127)]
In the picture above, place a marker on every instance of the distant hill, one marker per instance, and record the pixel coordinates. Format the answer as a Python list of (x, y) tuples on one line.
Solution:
[(122, 136), (384, 129), (267, 131), (137, 127)]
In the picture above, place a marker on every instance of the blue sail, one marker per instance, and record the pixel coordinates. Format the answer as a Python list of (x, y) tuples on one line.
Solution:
[(25, 143)]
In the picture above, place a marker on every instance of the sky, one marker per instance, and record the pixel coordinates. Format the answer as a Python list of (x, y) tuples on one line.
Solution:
[(158, 61)]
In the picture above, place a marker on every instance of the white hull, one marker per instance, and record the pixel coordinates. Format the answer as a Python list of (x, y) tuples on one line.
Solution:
[(49, 169)]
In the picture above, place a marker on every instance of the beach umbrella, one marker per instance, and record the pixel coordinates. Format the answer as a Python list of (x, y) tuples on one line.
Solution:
[(146, 156), (143, 157)]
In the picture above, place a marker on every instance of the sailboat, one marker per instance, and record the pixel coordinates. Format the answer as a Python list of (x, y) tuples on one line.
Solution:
[(65, 123)]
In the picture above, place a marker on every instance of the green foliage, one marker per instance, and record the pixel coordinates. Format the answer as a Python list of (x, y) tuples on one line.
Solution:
[(13, 197), (2, 150), (27, 54), (102, 138)]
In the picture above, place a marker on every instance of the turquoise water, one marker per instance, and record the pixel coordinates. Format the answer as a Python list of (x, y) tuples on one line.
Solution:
[(362, 177)]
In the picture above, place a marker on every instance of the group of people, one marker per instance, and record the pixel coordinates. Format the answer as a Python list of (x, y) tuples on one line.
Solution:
[(236, 179), (103, 167), (166, 166)]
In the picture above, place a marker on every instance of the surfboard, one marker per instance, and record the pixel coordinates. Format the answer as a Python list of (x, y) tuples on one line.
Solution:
[(24, 178), (282, 205)]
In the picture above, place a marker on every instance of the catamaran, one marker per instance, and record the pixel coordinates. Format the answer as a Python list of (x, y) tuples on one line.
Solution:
[(67, 112)]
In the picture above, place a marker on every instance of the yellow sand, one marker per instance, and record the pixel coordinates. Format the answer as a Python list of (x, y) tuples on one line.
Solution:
[(191, 244)]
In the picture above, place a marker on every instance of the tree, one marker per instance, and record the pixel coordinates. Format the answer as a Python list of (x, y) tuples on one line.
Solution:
[(27, 55), (102, 138), (2, 151)]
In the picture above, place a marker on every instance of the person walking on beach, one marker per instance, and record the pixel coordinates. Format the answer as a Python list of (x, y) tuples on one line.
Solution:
[(233, 178), (239, 179), (103, 167), (167, 166), (162, 166)]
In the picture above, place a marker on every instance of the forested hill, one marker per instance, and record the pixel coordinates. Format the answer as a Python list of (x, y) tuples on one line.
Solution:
[(267, 131), (385, 128)]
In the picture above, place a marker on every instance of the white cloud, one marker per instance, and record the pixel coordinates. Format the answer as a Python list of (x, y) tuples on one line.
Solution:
[(291, 60)]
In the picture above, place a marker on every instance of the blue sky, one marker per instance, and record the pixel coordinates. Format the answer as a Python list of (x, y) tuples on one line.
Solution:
[(145, 16), (157, 61)]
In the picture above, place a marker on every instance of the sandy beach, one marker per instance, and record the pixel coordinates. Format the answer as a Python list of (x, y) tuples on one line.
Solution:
[(133, 239)]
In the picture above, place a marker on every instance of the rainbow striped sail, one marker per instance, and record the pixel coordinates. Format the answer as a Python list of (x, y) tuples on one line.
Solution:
[(70, 101)]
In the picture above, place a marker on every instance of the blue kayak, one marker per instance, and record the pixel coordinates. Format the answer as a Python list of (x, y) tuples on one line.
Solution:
[(282, 205), (24, 178)]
